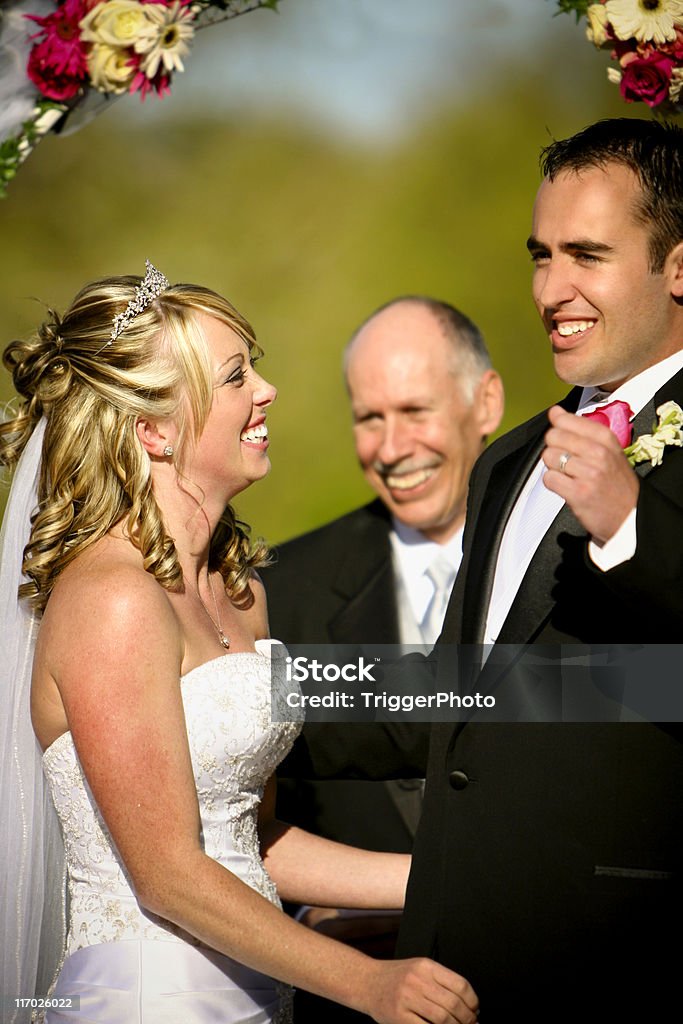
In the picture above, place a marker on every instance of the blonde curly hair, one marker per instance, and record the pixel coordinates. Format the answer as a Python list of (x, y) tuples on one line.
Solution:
[(94, 470)]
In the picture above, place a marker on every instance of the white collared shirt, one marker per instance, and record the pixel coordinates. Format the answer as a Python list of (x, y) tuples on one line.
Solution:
[(537, 507), (412, 554)]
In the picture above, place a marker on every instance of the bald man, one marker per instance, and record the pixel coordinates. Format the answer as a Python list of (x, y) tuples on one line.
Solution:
[(424, 398)]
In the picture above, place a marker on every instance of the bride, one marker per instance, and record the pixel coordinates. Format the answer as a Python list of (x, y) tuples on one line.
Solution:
[(151, 683)]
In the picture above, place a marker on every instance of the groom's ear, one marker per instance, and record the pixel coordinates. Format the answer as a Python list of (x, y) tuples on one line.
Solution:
[(153, 436), (673, 266)]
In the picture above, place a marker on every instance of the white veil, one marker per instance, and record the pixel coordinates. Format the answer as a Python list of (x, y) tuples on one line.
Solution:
[(32, 877), (18, 94)]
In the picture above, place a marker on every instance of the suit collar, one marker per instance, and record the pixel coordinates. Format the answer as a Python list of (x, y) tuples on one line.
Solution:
[(368, 549), (507, 480), (646, 420), (534, 601), (365, 581)]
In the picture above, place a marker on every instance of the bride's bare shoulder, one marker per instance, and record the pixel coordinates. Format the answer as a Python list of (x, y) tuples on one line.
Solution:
[(106, 596), (109, 567)]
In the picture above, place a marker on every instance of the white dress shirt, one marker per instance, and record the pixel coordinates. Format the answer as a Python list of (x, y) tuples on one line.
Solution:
[(412, 554), (537, 507)]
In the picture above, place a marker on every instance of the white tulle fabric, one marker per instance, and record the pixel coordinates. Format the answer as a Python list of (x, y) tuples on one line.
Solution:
[(32, 889), (126, 964), (18, 94)]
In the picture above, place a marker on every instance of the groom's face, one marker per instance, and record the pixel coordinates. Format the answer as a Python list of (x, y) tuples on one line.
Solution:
[(606, 314), (417, 434)]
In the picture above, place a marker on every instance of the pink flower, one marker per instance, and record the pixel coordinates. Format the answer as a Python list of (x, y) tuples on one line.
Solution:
[(144, 85), (647, 79), (617, 416), (59, 38), (675, 48), (44, 76), (57, 64)]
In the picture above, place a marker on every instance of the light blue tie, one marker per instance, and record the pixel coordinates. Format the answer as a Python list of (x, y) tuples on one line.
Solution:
[(441, 574)]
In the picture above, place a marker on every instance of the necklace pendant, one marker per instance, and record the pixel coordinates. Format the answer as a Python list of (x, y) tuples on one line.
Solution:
[(223, 639)]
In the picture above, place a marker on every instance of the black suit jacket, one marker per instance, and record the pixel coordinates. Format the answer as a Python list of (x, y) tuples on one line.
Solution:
[(336, 585), (547, 866)]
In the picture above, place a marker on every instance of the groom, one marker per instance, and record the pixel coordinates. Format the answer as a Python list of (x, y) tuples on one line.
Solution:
[(558, 870), (547, 864)]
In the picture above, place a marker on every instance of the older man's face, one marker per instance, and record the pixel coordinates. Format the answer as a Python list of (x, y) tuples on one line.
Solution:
[(417, 436)]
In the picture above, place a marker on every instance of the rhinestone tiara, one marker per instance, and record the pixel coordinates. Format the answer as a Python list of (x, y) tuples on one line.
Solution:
[(151, 286)]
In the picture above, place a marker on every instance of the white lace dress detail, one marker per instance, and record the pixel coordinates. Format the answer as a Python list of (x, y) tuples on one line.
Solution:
[(235, 748)]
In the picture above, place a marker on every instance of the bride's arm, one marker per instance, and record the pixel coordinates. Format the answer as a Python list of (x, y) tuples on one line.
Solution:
[(117, 665), (309, 869)]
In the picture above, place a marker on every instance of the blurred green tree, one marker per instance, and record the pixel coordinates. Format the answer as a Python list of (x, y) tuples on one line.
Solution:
[(306, 236)]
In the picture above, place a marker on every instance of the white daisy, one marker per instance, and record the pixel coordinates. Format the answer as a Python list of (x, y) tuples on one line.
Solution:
[(165, 39), (646, 20)]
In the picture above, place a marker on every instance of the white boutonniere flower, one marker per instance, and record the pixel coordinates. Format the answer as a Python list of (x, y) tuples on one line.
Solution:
[(668, 430)]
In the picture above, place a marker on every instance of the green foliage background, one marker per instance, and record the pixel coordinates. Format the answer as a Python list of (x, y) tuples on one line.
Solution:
[(307, 236)]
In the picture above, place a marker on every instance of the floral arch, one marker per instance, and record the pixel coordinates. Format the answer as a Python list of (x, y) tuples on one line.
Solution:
[(61, 58)]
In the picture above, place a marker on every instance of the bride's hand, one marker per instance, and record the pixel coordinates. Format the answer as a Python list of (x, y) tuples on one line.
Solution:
[(413, 991)]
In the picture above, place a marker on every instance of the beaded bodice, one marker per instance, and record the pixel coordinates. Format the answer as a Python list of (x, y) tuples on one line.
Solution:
[(234, 748)]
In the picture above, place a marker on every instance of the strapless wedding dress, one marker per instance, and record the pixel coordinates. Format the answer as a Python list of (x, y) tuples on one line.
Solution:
[(126, 965)]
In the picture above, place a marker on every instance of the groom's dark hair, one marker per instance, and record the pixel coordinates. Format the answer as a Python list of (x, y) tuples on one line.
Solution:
[(653, 150)]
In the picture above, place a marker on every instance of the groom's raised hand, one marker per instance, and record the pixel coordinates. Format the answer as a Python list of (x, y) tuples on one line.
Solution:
[(587, 467)]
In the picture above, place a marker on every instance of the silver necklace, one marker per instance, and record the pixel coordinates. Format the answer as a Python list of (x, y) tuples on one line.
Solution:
[(223, 639)]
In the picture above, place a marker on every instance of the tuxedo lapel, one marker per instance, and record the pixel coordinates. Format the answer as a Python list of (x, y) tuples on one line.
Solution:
[(535, 599), (370, 611), (503, 488), (643, 422), (364, 582), (506, 481), (646, 420)]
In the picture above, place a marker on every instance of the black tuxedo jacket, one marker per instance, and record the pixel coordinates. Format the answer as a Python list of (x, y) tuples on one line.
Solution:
[(336, 585), (547, 866)]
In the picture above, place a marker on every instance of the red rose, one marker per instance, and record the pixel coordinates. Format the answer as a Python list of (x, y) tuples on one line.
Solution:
[(42, 73), (57, 63), (647, 79), (617, 416)]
